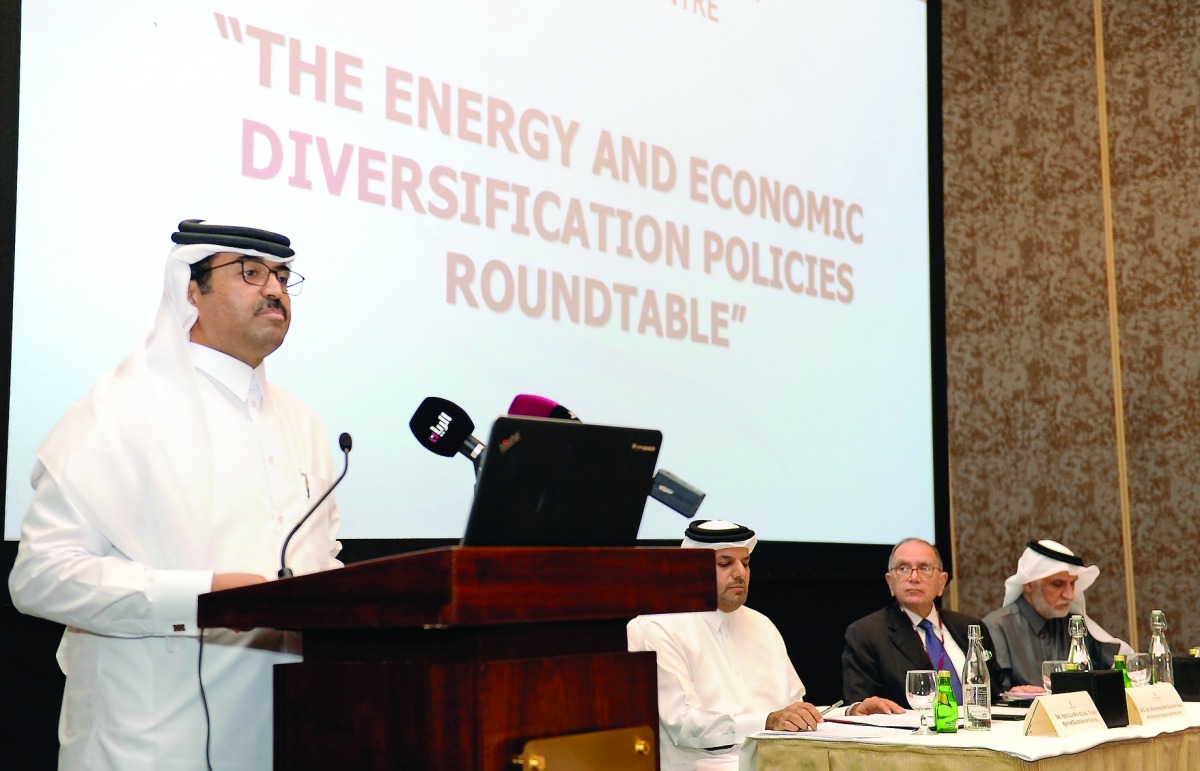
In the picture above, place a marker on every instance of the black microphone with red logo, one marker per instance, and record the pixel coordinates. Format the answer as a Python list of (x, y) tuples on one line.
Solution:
[(444, 428)]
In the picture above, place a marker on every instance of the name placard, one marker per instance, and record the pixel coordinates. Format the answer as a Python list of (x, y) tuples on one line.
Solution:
[(1153, 702), (1063, 714)]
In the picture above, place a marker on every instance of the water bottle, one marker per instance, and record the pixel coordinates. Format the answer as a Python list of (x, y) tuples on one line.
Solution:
[(976, 683), (1161, 669), (1119, 666), (1078, 654), (945, 709)]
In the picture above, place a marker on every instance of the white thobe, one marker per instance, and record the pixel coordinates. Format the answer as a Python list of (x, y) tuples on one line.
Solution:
[(126, 582), (719, 676)]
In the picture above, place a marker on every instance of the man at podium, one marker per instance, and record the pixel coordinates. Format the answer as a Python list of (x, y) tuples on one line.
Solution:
[(180, 473), (723, 674)]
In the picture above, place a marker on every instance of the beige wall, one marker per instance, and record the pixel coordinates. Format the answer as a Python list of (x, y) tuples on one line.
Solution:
[(1033, 437)]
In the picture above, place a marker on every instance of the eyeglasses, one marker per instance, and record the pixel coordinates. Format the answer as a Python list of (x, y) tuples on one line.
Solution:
[(904, 571), (257, 273)]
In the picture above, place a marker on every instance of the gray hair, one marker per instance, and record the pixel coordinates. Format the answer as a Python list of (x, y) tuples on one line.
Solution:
[(936, 553)]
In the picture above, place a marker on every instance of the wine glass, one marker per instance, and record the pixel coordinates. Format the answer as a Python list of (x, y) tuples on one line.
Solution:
[(920, 685), (1049, 668), (1138, 667)]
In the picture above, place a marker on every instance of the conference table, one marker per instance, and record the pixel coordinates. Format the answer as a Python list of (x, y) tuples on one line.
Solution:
[(1169, 744)]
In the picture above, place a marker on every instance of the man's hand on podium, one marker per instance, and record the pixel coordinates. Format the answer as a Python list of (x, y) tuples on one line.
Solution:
[(221, 581)]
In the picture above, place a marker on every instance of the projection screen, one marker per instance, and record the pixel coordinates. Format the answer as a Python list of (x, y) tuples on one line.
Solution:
[(708, 218)]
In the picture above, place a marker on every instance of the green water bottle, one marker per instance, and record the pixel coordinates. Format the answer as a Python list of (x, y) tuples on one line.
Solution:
[(1119, 665), (945, 709)]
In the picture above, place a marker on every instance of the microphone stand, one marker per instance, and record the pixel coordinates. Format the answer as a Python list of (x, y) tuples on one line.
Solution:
[(344, 443)]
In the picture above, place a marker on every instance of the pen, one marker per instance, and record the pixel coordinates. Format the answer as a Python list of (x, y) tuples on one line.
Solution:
[(832, 707), (869, 725)]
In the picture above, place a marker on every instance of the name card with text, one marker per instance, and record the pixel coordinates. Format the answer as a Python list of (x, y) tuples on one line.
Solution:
[(1151, 703), (1063, 714)]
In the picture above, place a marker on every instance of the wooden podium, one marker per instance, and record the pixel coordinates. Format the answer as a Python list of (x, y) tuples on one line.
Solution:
[(453, 658)]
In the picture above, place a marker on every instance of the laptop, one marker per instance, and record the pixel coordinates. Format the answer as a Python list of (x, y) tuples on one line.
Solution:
[(547, 482)]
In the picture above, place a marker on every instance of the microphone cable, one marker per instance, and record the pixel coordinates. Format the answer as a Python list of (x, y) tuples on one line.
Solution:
[(204, 703)]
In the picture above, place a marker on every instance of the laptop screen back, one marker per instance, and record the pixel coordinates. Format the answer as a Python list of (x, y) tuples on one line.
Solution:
[(562, 483)]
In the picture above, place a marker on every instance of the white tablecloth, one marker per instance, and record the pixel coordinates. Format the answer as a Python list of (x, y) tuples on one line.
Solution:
[(1005, 736)]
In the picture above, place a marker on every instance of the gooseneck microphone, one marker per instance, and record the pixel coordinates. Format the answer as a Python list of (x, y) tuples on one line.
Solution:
[(344, 442), (444, 428)]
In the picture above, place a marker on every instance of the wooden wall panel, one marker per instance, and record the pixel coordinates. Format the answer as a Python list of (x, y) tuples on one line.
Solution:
[(1033, 443)]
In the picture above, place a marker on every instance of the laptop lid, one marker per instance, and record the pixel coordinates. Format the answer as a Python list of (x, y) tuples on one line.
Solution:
[(548, 482)]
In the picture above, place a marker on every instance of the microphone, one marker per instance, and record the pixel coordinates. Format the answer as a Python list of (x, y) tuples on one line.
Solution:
[(530, 406), (444, 428), (344, 442), (677, 494)]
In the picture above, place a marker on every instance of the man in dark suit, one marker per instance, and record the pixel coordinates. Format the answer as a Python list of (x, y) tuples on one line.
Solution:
[(910, 633)]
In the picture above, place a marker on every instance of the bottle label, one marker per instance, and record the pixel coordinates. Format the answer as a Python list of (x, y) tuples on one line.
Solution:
[(945, 714), (977, 695), (978, 708), (978, 718)]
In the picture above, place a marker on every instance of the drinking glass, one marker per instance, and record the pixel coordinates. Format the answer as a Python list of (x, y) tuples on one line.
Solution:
[(1138, 667), (1048, 668), (920, 685)]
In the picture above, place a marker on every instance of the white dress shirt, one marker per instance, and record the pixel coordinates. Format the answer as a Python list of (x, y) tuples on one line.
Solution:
[(958, 659)]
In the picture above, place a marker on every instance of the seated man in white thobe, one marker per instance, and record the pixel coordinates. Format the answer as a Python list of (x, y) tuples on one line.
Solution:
[(724, 674)]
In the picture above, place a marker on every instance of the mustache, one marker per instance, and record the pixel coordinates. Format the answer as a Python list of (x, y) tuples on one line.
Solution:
[(268, 303)]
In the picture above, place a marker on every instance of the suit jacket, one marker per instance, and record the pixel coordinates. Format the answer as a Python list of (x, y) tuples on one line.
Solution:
[(882, 647)]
